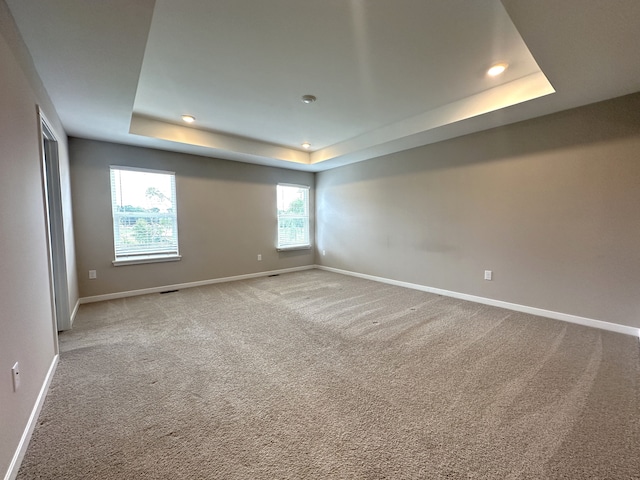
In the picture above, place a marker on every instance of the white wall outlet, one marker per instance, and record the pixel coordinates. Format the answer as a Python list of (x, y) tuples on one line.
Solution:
[(324, 252), (92, 274), (488, 275), (15, 374), (259, 257)]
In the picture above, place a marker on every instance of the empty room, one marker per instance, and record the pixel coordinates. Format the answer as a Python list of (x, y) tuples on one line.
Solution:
[(337, 239)]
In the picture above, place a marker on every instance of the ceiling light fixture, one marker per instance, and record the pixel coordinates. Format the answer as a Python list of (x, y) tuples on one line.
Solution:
[(497, 69), (306, 145), (188, 118), (308, 99)]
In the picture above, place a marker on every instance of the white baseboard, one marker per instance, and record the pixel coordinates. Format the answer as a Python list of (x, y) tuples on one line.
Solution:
[(589, 322), (179, 286), (565, 317), (73, 314), (14, 466)]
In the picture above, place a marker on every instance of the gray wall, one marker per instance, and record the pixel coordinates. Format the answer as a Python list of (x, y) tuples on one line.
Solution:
[(551, 205), (27, 330), (226, 217)]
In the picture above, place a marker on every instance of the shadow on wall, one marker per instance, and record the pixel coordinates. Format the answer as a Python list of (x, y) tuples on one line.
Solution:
[(600, 122), (100, 154)]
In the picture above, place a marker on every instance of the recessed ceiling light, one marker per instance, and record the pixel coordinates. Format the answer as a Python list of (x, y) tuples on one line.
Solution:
[(497, 69), (308, 99), (306, 145), (188, 118)]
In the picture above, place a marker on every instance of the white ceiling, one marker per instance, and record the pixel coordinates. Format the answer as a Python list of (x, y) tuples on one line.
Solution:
[(388, 75)]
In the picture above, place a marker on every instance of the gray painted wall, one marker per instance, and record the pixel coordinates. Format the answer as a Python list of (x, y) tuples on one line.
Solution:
[(226, 217), (27, 330), (551, 205)]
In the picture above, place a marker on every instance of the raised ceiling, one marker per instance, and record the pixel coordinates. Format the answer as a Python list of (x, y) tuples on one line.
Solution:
[(388, 75)]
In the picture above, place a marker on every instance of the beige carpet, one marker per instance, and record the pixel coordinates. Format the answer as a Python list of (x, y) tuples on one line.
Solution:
[(315, 375)]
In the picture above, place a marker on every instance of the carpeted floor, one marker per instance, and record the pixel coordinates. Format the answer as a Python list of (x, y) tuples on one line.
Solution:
[(315, 375)]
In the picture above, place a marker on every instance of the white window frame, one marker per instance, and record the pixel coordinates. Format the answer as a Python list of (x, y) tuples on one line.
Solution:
[(124, 256), (306, 242)]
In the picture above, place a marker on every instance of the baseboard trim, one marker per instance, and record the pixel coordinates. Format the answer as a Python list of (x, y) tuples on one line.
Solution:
[(73, 314), (179, 286), (14, 466), (565, 317)]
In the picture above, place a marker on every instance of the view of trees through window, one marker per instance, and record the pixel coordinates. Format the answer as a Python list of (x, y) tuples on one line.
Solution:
[(144, 212), (293, 216)]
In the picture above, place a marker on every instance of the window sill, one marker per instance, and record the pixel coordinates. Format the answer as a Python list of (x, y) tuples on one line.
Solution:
[(146, 259), (293, 247)]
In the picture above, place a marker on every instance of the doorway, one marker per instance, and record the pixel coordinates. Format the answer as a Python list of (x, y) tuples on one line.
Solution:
[(55, 226)]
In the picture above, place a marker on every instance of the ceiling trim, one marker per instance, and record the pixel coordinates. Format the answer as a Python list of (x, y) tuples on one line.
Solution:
[(153, 128), (383, 139), (392, 138)]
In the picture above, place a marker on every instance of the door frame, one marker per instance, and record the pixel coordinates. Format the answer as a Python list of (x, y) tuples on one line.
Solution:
[(52, 192)]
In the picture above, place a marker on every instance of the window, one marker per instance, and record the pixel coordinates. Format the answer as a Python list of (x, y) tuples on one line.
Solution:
[(145, 224), (293, 217)]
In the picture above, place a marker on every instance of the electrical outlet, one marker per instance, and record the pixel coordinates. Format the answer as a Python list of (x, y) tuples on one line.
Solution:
[(15, 374), (259, 257), (324, 252), (488, 275), (92, 274)]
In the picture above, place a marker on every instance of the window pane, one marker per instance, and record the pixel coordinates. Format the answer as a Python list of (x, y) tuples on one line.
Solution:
[(293, 216), (144, 212)]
